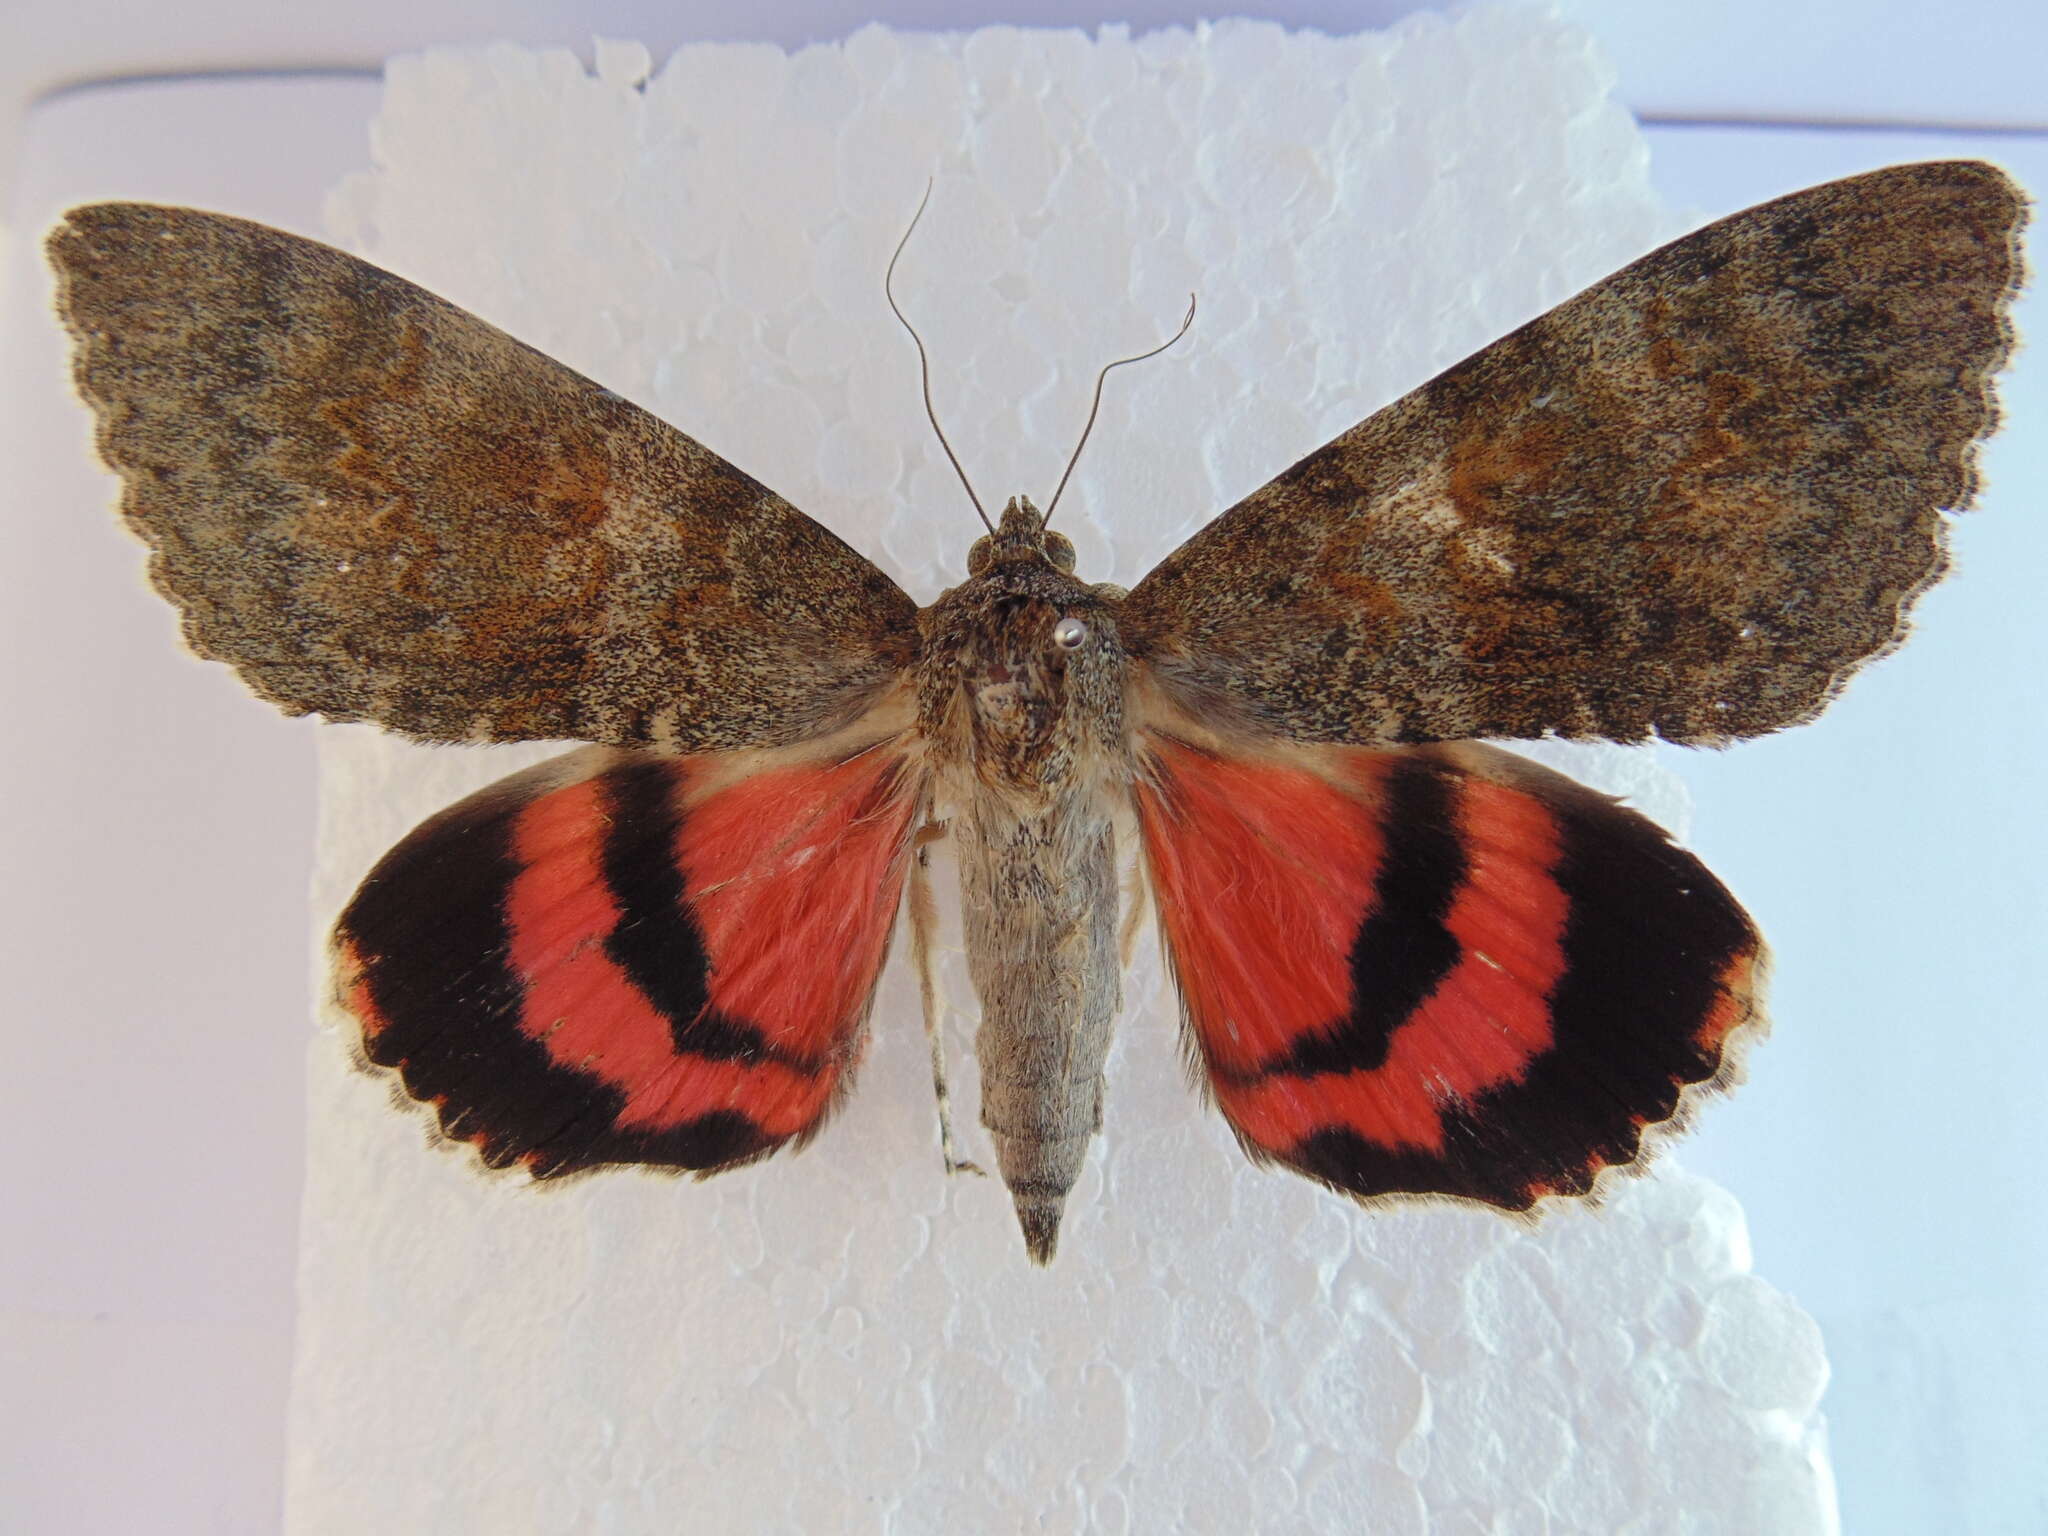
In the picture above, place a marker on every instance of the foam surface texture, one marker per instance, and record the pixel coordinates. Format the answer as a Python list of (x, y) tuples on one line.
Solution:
[(845, 1340)]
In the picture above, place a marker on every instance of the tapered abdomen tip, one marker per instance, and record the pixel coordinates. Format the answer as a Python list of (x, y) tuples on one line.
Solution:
[(1040, 1220), (1040, 1172)]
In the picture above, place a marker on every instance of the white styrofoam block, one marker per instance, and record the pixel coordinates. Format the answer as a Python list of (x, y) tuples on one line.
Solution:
[(845, 1340)]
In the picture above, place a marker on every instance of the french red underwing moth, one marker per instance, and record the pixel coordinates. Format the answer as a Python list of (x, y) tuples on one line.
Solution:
[(1685, 504)]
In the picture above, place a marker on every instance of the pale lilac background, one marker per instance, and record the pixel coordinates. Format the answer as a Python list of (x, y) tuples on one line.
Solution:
[(1885, 1152)]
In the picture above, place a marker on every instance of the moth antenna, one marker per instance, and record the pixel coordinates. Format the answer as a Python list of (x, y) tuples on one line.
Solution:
[(1186, 320), (924, 362)]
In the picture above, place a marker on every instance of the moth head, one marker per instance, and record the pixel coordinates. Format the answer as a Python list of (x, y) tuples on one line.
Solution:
[(1022, 535)]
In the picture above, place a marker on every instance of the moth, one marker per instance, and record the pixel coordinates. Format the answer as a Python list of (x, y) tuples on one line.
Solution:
[(1685, 504)]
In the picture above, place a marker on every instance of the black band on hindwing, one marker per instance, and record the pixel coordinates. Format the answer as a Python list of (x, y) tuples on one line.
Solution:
[(429, 930), (1649, 938), (657, 942), (1402, 951)]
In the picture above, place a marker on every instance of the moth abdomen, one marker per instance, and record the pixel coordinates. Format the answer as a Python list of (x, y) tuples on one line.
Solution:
[(1040, 897)]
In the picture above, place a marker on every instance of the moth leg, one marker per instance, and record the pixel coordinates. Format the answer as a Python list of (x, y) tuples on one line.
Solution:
[(924, 918), (1134, 916)]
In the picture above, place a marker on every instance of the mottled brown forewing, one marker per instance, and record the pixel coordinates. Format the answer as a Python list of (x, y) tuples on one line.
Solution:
[(1687, 502), (377, 507)]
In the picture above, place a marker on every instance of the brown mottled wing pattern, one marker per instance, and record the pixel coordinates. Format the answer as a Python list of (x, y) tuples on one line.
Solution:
[(377, 507), (1687, 502)]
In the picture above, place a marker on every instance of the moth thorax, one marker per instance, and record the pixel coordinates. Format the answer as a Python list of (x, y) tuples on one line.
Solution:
[(1040, 682)]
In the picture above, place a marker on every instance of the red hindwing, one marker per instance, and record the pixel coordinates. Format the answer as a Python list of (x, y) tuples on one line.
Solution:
[(626, 957), (1443, 970)]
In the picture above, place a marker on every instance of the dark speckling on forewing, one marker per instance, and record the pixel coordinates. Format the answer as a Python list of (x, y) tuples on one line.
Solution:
[(474, 542), (1682, 504)]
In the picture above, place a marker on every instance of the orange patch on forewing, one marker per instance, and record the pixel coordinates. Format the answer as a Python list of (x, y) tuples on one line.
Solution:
[(1489, 471), (1262, 874), (584, 1008), (796, 875)]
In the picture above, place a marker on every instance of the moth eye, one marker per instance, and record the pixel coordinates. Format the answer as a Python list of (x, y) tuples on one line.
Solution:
[(979, 556), (1069, 634), (1059, 549)]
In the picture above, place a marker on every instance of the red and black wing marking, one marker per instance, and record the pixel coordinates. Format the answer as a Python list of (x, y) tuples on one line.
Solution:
[(631, 957), (1439, 971)]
